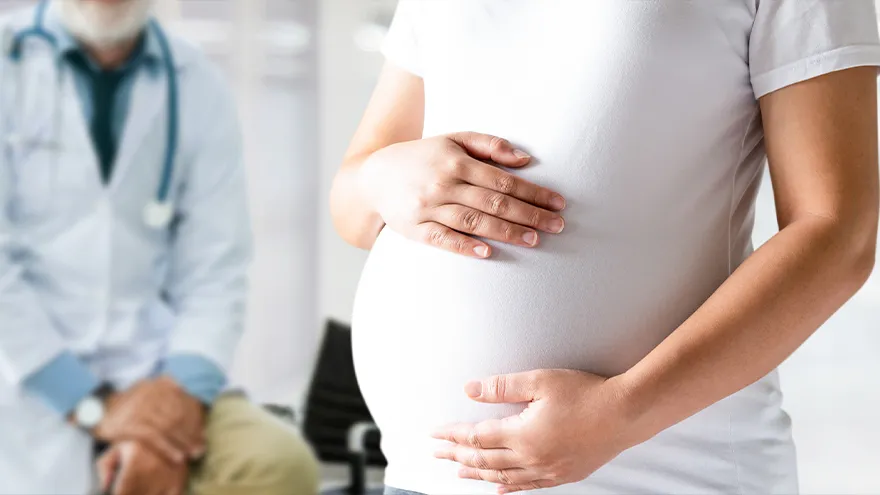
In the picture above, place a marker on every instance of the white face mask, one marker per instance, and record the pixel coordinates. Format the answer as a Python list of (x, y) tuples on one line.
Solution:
[(105, 23)]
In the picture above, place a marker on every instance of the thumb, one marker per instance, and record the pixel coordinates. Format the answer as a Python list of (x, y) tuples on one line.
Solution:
[(486, 147), (504, 389)]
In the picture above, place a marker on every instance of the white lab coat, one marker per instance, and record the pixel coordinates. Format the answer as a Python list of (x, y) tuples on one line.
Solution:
[(79, 269)]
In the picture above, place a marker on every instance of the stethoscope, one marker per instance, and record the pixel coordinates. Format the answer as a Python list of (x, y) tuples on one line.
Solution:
[(159, 212)]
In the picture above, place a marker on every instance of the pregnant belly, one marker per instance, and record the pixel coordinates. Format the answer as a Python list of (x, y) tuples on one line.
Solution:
[(426, 322)]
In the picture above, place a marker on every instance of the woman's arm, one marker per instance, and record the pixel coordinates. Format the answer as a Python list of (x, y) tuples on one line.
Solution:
[(395, 114), (443, 191), (821, 138)]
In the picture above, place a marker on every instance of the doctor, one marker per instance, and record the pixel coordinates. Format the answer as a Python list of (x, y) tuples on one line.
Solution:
[(124, 247)]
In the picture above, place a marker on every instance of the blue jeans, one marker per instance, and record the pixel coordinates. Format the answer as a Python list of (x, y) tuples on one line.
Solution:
[(395, 491)]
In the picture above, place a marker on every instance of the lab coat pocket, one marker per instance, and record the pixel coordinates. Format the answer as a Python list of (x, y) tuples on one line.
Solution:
[(35, 172)]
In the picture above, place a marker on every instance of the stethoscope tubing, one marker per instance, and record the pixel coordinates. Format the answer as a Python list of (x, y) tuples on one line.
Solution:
[(159, 212)]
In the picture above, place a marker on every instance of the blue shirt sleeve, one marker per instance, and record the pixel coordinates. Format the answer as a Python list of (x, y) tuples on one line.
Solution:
[(197, 375), (63, 382)]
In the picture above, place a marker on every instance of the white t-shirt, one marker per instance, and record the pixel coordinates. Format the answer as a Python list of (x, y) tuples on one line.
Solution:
[(644, 115)]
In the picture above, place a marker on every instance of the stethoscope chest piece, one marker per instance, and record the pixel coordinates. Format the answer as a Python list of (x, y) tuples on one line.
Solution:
[(158, 214)]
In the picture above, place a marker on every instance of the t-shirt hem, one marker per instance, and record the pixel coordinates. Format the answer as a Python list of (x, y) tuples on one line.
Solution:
[(424, 482), (846, 57)]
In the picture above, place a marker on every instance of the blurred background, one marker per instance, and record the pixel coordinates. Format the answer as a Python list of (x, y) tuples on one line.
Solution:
[(303, 71)]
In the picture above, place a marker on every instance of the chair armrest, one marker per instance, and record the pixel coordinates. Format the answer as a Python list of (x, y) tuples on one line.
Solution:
[(357, 436)]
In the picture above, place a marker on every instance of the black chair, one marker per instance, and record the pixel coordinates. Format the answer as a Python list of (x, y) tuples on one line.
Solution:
[(337, 422)]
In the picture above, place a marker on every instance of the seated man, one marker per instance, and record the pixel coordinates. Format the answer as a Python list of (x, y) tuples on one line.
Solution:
[(124, 247)]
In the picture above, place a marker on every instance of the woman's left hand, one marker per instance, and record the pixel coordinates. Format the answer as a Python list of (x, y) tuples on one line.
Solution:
[(574, 423)]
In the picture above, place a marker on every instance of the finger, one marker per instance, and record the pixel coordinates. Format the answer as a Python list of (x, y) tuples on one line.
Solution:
[(158, 443), (163, 486), (486, 147), (493, 178), (170, 425), (479, 458), (175, 490), (186, 437), (169, 422), (508, 208), (475, 222), (182, 423), (534, 485), (186, 431), (199, 449), (172, 432), (441, 236), (107, 465), (505, 389), (125, 482), (485, 435), (504, 476)]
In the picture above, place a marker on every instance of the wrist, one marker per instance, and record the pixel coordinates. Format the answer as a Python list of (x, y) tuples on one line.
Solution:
[(634, 406), (91, 410), (372, 223)]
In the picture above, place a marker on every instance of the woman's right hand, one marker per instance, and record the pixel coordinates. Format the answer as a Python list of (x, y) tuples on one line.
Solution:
[(437, 190)]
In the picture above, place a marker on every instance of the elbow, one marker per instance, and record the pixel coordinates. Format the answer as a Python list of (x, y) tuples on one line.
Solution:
[(860, 251), (357, 228), (863, 264)]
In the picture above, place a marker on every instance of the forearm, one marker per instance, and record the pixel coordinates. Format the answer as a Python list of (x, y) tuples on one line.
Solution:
[(354, 217), (769, 306)]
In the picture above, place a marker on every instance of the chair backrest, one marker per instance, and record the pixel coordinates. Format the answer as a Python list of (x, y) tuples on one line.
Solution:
[(334, 402)]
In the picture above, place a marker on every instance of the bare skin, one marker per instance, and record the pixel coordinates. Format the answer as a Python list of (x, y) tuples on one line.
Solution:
[(821, 138), (130, 468), (111, 58)]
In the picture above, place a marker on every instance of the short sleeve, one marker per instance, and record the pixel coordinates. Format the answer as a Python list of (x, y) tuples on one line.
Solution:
[(401, 44), (796, 40)]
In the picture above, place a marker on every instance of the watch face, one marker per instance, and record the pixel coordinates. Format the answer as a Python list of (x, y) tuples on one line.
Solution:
[(89, 412)]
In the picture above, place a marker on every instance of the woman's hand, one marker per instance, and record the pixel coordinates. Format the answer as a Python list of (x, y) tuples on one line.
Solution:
[(575, 423), (437, 190)]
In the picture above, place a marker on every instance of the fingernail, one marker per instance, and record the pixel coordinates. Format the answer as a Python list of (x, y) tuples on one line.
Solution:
[(530, 238), (473, 389), (556, 225), (520, 153), (557, 203), (482, 251)]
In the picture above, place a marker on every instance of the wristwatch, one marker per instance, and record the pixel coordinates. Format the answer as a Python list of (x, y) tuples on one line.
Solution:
[(89, 412)]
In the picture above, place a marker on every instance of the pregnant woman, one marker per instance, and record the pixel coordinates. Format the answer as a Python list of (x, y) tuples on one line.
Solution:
[(562, 295)]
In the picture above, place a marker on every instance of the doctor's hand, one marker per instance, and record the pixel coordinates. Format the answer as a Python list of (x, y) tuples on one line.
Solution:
[(159, 414), (437, 190), (131, 468), (573, 424)]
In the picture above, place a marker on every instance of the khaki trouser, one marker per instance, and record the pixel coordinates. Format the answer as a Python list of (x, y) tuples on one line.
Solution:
[(251, 452)]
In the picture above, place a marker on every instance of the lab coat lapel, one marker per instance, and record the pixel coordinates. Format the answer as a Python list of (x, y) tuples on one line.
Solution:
[(81, 171), (149, 101)]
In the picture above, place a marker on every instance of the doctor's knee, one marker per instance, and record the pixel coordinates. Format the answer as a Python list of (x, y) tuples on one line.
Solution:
[(250, 452)]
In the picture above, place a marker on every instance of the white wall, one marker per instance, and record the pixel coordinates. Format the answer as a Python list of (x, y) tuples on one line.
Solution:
[(347, 75), (278, 111)]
